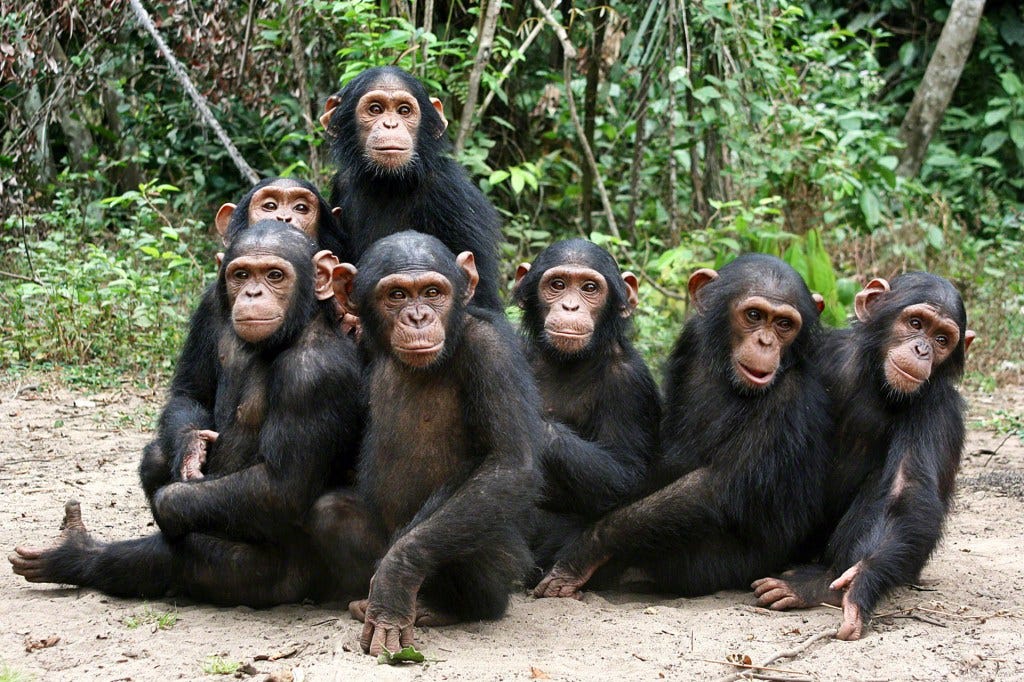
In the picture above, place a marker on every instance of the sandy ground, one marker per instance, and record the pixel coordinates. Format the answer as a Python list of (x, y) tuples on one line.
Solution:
[(965, 622)]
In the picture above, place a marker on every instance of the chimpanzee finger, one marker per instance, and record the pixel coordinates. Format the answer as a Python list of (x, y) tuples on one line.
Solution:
[(407, 636), (366, 638)]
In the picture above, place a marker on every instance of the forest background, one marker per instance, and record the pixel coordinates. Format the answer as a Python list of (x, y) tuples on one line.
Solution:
[(676, 133)]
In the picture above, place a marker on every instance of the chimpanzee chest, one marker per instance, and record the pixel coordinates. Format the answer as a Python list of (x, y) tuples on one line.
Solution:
[(418, 438), (568, 400)]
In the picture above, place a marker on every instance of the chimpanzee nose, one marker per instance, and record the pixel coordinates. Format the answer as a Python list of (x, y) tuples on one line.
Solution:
[(923, 349)]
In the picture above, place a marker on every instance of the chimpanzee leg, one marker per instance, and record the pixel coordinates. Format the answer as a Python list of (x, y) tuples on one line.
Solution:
[(475, 589), (349, 540)]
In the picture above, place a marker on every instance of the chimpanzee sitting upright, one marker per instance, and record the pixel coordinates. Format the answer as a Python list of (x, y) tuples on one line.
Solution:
[(447, 460), (287, 413), (395, 173), (899, 435), (743, 440), (185, 429), (596, 390)]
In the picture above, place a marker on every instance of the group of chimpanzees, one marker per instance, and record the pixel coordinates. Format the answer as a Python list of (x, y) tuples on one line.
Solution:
[(380, 433)]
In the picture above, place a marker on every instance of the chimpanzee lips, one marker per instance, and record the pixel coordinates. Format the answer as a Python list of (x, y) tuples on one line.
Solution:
[(755, 377)]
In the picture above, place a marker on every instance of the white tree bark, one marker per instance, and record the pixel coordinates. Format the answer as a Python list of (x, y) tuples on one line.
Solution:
[(940, 79)]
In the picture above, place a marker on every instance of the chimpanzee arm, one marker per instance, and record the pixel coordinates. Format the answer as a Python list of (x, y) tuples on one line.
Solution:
[(591, 477), (312, 414), (923, 453), (189, 407)]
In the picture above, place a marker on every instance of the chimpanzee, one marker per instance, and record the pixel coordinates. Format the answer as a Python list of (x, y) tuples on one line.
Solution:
[(744, 444), (287, 413), (899, 433), (184, 431), (446, 465), (395, 173), (598, 394)]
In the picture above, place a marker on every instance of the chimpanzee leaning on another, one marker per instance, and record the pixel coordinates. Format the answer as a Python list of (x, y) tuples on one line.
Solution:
[(899, 436), (596, 390), (743, 439), (288, 418), (446, 465), (395, 173), (185, 430)]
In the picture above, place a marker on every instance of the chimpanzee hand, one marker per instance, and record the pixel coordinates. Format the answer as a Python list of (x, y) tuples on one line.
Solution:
[(195, 454), (390, 613), (853, 619), (169, 504)]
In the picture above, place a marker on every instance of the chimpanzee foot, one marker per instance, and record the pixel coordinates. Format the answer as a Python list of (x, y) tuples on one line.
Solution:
[(35, 564), (357, 609), (561, 582), (427, 617), (778, 595)]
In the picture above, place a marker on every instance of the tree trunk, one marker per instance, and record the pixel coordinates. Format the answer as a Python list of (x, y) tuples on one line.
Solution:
[(940, 79), (600, 21)]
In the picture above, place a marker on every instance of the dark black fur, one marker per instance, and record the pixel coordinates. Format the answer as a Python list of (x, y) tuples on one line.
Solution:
[(602, 403), (740, 485), (877, 432), (433, 195), (193, 388), (289, 420), (447, 461)]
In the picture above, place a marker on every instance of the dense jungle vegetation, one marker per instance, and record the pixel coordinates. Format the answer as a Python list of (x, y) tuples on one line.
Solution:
[(676, 133)]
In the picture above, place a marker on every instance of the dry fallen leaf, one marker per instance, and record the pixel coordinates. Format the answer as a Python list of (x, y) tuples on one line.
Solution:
[(37, 644), (538, 674), (739, 659)]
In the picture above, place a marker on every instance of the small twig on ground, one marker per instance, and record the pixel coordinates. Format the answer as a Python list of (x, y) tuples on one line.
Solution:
[(750, 666), (787, 653)]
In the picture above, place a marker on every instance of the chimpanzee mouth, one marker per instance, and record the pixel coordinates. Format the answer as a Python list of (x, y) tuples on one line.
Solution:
[(255, 321), (904, 374), (421, 350), (755, 377)]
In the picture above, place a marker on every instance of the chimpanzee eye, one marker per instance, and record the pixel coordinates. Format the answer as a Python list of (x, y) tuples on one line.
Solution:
[(269, 205), (432, 292), (785, 324), (754, 315), (396, 295), (557, 284), (300, 208), (275, 275), (405, 110), (915, 323), (376, 109), (589, 287), (240, 274), (942, 340)]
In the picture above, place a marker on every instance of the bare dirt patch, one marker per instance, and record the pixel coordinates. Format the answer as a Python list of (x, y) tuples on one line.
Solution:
[(965, 622)]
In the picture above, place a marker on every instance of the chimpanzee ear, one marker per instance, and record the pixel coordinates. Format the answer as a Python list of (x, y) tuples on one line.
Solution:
[(697, 282), (343, 279), (223, 219), (220, 259), (439, 108), (867, 297), (336, 212), (332, 103), (969, 337), (819, 301), (467, 261), (632, 290), (324, 262), (521, 271)]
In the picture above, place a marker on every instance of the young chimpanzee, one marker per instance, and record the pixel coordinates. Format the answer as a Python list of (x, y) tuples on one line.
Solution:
[(899, 435), (185, 428), (743, 440), (395, 173), (287, 414), (447, 461), (596, 390)]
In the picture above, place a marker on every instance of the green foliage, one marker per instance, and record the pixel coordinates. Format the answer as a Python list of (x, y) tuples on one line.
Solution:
[(9, 674), (218, 665), (407, 654), (156, 620), (110, 284)]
